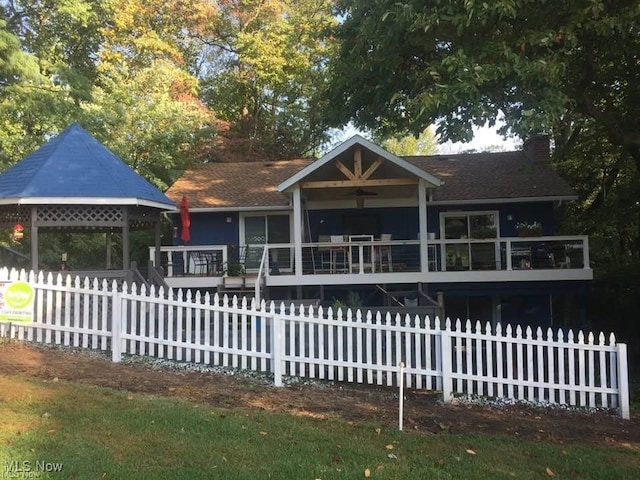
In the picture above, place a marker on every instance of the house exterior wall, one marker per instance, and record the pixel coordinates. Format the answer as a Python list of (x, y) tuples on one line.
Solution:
[(223, 228), (402, 222), (537, 304), (542, 212), (211, 228)]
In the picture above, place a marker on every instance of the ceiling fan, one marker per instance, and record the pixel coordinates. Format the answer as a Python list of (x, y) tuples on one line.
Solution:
[(360, 195), (361, 192)]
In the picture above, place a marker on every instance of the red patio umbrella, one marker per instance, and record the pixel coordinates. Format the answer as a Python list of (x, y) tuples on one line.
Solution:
[(185, 220)]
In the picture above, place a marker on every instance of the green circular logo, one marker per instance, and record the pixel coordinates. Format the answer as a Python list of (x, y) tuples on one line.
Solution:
[(18, 295)]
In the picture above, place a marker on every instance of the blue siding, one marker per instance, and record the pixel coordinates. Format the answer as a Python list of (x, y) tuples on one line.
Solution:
[(542, 212), (212, 229), (402, 222)]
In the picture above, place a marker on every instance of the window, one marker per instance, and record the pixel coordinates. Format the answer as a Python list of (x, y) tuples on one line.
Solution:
[(473, 235), (268, 229), (470, 225)]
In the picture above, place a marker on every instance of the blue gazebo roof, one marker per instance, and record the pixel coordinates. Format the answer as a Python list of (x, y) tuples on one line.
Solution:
[(75, 169)]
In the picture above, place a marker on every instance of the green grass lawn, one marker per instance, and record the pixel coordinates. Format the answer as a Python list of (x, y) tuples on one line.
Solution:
[(97, 433)]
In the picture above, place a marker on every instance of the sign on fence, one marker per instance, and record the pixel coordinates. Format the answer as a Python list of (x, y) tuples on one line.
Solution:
[(16, 302)]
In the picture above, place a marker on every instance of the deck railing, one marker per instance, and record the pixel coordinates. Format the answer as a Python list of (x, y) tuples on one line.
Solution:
[(365, 256)]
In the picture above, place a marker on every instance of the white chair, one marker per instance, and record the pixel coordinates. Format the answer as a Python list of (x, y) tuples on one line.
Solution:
[(338, 252), (384, 253), (324, 252)]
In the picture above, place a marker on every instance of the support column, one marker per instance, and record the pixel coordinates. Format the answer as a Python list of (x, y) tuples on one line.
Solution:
[(422, 222), (126, 261), (158, 241), (297, 229), (109, 246), (34, 239)]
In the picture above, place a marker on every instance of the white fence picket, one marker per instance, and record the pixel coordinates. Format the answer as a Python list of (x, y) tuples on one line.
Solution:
[(465, 359)]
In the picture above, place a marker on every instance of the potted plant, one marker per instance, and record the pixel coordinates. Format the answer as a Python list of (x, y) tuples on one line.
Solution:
[(533, 229)]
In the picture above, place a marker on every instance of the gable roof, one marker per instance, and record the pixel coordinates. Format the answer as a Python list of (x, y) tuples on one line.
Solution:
[(74, 168), (493, 176), (465, 178), (347, 145), (236, 185)]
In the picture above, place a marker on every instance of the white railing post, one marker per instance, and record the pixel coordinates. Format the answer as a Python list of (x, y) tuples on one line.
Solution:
[(445, 348), (508, 254), (265, 254), (116, 325), (277, 345), (623, 380), (585, 252)]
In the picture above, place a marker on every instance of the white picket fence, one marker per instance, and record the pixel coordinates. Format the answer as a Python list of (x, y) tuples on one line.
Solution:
[(552, 367)]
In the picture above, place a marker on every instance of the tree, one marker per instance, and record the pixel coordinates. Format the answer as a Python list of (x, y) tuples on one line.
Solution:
[(538, 65), (423, 144), (145, 102), (263, 69)]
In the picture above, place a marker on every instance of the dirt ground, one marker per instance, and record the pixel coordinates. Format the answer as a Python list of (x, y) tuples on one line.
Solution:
[(375, 405)]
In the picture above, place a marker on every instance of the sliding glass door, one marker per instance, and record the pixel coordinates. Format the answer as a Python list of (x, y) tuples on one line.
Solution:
[(268, 229), (473, 245)]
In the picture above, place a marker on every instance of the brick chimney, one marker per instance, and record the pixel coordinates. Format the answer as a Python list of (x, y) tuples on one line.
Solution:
[(536, 148)]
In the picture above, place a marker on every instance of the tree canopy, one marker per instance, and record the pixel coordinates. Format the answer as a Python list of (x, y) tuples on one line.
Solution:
[(159, 82), (539, 66)]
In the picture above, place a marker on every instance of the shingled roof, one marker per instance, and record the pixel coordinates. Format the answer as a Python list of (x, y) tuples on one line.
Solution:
[(74, 168), (235, 185), (489, 176), (467, 177)]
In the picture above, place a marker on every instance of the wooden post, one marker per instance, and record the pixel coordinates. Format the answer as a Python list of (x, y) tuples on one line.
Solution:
[(125, 239), (158, 241), (116, 319), (447, 383), (108, 246), (34, 239), (277, 346), (297, 230), (623, 380), (422, 222)]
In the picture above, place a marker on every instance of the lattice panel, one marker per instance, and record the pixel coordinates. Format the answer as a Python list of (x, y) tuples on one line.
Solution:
[(9, 216), (80, 216)]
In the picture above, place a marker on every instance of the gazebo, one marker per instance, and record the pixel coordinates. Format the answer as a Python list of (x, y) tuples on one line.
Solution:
[(74, 183)]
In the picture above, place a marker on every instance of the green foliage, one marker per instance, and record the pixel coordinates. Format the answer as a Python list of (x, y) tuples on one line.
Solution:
[(404, 65), (409, 145), (264, 71)]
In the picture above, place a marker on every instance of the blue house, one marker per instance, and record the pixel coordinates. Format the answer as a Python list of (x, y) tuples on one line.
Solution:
[(472, 234)]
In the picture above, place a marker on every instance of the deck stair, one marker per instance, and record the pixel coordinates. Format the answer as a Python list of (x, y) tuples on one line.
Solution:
[(241, 285)]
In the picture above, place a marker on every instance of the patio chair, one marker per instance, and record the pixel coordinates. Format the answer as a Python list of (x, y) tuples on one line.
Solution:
[(384, 253), (324, 252), (338, 252)]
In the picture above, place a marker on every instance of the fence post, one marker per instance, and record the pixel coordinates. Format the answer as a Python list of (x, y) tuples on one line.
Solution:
[(623, 380), (445, 348), (116, 319), (276, 353)]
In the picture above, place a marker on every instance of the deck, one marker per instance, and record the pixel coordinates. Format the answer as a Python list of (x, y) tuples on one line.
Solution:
[(368, 261)]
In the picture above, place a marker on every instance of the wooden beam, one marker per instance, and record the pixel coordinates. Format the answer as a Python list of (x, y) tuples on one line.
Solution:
[(372, 168), (382, 182), (343, 168), (357, 162)]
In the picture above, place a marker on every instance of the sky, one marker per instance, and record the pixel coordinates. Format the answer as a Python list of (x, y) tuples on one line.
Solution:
[(485, 139)]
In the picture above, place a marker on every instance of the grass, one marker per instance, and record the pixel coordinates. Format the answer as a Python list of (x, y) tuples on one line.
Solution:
[(100, 433)]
